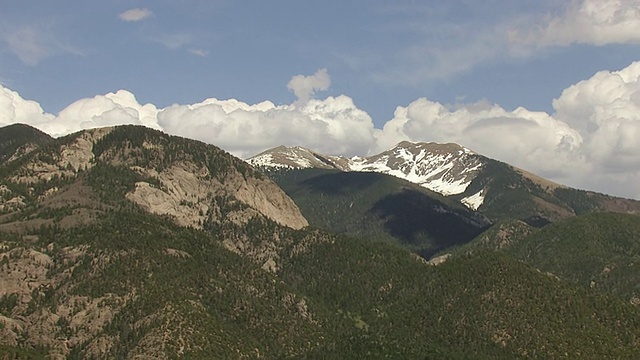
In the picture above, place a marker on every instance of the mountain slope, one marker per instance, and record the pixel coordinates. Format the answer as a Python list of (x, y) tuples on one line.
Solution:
[(132, 284), (380, 207), (481, 306), (496, 189), (18, 139), (601, 251), (444, 168), (598, 250), (297, 157), (113, 273), (165, 175), (88, 270)]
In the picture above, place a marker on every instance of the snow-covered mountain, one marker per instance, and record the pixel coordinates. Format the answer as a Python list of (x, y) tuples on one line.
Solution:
[(444, 168), (499, 190), (298, 157)]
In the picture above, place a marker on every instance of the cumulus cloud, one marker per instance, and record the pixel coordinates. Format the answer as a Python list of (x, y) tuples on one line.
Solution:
[(304, 87), (133, 15), (592, 140), (605, 109), (117, 108), (533, 140), (332, 126), (15, 109), (595, 22)]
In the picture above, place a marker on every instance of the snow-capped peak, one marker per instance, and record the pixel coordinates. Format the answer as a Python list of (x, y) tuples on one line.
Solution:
[(444, 168), (297, 157)]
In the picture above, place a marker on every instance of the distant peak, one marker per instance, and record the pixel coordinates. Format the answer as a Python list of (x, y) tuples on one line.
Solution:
[(433, 147), (405, 143)]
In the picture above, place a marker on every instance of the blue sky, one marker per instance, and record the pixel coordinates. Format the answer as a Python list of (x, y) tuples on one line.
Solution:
[(382, 55), (368, 74)]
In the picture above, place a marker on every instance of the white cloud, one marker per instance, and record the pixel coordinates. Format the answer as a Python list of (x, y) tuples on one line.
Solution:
[(111, 109), (332, 126), (102, 110), (605, 109), (596, 22), (532, 140), (133, 15), (15, 109), (592, 141), (304, 87)]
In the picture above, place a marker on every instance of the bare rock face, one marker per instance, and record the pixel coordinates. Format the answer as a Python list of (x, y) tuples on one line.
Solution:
[(187, 191), (184, 194), (266, 197)]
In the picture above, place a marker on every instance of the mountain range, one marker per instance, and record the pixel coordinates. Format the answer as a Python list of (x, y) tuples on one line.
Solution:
[(496, 189), (125, 242), (426, 197)]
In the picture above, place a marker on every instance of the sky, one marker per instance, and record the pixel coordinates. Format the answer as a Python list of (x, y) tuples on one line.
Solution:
[(551, 86)]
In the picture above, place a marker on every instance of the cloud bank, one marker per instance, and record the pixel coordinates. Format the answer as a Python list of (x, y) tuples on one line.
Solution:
[(591, 141)]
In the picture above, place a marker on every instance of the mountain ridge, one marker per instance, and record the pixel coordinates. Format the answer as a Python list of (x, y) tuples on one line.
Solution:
[(497, 189), (88, 271)]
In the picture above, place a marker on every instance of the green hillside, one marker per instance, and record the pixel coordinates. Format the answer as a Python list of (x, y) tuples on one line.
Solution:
[(500, 236), (17, 139), (478, 306), (597, 250), (89, 270)]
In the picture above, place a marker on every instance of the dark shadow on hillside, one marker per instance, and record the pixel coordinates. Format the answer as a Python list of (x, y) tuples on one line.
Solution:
[(537, 221), (341, 183), (421, 221)]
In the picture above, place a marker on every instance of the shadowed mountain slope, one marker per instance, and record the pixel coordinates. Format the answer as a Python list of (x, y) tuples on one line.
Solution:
[(380, 207)]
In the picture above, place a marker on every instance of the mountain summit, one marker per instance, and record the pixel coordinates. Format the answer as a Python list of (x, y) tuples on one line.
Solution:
[(447, 169), (444, 168), (497, 189), (298, 157)]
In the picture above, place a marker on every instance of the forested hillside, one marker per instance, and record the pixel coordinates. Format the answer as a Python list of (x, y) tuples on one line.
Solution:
[(126, 243)]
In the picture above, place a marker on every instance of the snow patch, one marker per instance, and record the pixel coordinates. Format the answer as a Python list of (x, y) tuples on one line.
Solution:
[(436, 172), (474, 201)]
